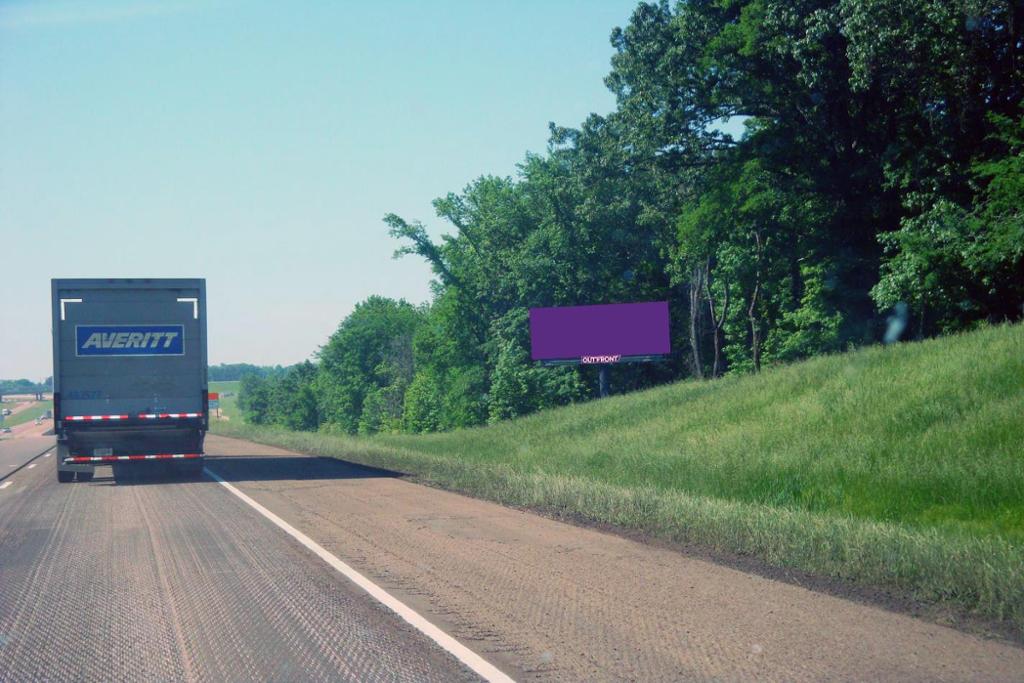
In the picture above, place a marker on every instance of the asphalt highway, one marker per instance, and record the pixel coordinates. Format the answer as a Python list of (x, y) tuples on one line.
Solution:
[(17, 452), (169, 580), (279, 566)]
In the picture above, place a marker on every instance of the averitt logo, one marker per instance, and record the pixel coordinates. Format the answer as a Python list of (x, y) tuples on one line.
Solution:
[(129, 340)]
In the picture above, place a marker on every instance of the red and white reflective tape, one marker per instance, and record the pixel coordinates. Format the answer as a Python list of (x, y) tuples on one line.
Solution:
[(141, 416), (115, 458), (165, 416)]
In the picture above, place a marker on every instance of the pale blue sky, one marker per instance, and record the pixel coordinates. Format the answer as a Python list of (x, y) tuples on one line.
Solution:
[(258, 145)]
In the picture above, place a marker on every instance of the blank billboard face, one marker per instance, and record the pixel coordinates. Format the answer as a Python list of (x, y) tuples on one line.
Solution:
[(599, 334)]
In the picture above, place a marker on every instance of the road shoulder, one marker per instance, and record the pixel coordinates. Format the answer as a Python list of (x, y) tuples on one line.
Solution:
[(545, 599)]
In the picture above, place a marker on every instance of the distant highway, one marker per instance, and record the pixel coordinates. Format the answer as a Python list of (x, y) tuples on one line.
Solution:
[(280, 567), (24, 429)]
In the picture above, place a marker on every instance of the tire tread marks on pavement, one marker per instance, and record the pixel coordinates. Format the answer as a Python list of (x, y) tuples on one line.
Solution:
[(180, 581)]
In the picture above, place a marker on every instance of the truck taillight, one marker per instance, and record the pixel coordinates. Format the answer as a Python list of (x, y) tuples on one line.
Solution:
[(206, 409), (56, 408)]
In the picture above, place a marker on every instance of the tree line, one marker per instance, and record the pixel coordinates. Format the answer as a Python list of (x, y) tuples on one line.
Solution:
[(25, 386), (228, 372), (880, 167)]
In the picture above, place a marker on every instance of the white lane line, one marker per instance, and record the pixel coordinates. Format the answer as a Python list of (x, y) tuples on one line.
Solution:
[(5, 484), (478, 664), (31, 466), (47, 454)]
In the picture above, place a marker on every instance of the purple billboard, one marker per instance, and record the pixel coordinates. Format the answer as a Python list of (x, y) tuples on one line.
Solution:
[(606, 333)]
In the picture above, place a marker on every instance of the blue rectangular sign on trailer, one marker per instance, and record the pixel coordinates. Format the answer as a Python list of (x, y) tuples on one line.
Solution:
[(129, 340)]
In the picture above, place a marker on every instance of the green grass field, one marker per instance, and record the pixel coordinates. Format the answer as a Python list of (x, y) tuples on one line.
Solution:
[(27, 415), (899, 467), (228, 404)]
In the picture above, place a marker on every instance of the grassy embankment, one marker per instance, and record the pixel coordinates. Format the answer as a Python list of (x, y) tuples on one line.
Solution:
[(894, 467), (32, 412)]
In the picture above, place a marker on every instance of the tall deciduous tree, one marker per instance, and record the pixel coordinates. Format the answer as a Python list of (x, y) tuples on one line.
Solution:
[(778, 170)]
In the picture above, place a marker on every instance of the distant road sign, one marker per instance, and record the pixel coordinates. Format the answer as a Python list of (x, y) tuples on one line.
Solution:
[(213, 399), (607, 333)]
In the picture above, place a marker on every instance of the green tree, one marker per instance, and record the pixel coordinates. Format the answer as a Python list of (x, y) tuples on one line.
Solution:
[(254, 399), (879, 161), (294, 401), (958, 264), (369, 354)]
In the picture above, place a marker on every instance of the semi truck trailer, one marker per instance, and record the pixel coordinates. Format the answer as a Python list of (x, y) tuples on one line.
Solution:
[(129, 375)]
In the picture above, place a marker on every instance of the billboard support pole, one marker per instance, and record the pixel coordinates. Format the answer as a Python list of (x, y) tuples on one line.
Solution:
[(600, 335)]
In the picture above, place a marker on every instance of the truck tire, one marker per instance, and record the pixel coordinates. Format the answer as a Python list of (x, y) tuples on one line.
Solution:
[(85, 476), (65, 477)]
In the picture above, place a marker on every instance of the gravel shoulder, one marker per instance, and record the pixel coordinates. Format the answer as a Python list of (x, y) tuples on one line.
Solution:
[(545, 600)]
